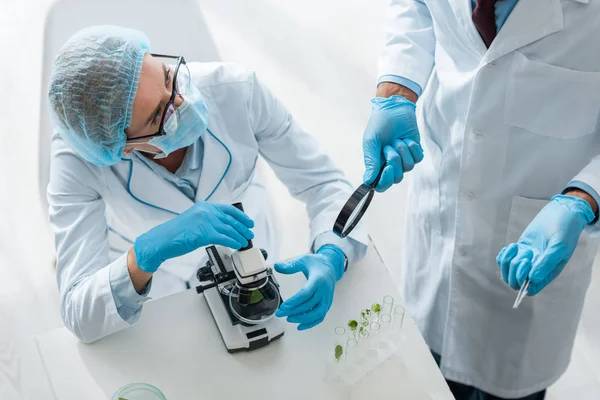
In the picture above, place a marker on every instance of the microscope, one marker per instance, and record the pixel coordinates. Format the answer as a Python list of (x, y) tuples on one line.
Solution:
[(242, 295)]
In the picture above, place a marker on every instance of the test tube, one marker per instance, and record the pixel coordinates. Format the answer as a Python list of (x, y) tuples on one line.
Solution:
[(352, 329), (365, 316), (387, 305), (374, 336), (397, 321), (385, 322), (339, 343), (375, 312), (351, 351), (373, 340), (363, 336)]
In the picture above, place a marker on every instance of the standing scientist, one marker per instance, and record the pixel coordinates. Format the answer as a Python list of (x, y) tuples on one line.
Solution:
[(508, 135)]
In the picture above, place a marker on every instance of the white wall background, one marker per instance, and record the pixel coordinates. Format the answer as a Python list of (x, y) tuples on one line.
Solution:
[(318, 56)]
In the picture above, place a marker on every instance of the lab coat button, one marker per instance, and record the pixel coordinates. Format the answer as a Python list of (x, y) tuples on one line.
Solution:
[(468, 195), (477, 134)]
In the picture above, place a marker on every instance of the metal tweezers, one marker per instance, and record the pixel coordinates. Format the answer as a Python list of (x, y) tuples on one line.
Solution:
[(522, 293)]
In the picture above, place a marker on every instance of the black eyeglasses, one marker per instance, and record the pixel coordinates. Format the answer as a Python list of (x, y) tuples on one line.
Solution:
[(181, 84)]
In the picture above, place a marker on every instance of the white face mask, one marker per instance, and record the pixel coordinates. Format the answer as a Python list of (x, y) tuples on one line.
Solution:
[(185, 124)]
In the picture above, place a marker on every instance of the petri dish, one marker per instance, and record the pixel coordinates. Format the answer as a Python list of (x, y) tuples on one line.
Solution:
[(138, 391), (254, 306)]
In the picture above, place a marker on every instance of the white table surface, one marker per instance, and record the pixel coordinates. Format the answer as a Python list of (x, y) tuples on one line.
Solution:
[(176, 346)]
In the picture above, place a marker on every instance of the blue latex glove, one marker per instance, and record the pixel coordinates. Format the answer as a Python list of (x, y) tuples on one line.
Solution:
[(202, 224), (546, 245), (391, 137), (310, 305)]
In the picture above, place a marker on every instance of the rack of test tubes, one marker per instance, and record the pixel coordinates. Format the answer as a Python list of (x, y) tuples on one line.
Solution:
[(363, 343)]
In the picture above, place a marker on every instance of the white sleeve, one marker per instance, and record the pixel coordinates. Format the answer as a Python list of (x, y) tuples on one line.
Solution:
[(81, 239), (590, 176), (409, 41), (303, 167)]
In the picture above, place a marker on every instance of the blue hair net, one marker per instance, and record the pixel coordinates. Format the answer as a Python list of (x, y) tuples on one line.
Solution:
[(92, 87)]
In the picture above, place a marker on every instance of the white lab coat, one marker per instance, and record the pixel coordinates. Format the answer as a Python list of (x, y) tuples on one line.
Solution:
[(503, 129), (97, 212)]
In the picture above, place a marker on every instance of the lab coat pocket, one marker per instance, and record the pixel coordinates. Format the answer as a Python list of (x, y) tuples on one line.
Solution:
[(522, 212), (550, 100)]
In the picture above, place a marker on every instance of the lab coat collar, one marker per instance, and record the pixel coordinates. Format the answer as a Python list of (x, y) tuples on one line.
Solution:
[(531, 20), (194, 155), (215, 164), (463, 9), (154, 191)]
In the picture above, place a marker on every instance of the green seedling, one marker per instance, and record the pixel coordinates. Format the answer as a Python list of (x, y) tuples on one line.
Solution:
[(339, 350), (376, 308), (364, 317)]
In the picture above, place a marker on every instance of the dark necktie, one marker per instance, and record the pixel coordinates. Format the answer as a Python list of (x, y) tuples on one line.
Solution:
[(484, 18)]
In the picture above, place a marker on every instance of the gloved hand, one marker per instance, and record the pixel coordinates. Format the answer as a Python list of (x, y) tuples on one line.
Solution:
[(202, 224), (391, 137), (546, 245), (310, 305)]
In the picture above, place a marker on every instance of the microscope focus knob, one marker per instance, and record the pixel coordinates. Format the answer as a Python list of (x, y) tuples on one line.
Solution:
[(205, 273), (264, 253)]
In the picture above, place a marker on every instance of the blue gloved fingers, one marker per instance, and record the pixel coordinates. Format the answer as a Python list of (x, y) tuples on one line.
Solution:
[(290, 267), (512, 273), (226, 241), (313, 315), (302, 296), (228, 231), (535, 288), (299, 309), (393, 158), (373, 160), (326, 302), (505, 258), (238, 226), (523, 271), (303, 327), (386, 180), (408, 162), (547, 262), (238, 215), (515, 264), (305, 293), (415, 149)]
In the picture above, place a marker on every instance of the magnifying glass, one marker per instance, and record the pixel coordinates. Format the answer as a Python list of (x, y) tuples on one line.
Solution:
[(355, 207)]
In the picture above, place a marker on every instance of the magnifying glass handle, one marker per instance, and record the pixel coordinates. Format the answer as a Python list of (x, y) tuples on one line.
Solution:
[(376, 181)]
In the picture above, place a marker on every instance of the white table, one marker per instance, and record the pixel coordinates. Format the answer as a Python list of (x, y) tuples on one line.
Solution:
[(176, 347)]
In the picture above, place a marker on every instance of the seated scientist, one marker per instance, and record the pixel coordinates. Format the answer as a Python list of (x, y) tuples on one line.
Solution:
[(148, 154)]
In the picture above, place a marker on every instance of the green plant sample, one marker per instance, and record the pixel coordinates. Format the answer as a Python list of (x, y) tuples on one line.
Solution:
[(339, 350)]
